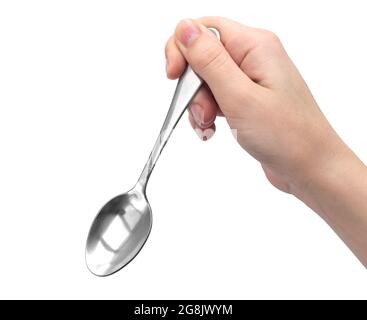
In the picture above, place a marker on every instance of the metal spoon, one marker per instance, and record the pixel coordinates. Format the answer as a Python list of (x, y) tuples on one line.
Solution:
[(122, 226)]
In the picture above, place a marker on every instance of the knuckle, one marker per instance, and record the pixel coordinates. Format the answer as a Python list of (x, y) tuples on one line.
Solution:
[(270, 37)]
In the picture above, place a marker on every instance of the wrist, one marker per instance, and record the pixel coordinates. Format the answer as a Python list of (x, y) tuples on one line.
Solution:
[(338, 193), (331, 173)]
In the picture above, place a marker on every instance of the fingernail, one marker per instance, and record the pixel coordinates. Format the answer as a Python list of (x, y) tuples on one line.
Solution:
[(204, 134), (189, 33), (199, 116)]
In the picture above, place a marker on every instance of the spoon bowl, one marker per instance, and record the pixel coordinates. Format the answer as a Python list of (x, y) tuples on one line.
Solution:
[(118, 233)]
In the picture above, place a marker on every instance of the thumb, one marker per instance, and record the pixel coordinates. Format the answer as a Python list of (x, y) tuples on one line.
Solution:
[(211, 61)]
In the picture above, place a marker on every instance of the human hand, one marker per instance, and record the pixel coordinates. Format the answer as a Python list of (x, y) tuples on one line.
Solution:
[(252, 82)]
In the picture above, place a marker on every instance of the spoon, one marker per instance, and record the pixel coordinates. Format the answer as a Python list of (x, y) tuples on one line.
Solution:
[(123, 225)]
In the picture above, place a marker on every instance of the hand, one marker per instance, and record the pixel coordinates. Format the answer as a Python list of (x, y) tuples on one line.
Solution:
[(252, 82)]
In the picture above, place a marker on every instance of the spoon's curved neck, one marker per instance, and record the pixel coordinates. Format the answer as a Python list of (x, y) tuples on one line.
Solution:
[(186, 89), (153, 157)]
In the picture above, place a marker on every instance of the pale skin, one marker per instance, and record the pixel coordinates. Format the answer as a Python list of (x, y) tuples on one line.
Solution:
[(252, 82)]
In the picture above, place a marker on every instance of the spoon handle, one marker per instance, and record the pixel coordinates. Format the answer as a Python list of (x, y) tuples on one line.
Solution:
[(186, 89), (187, 86)]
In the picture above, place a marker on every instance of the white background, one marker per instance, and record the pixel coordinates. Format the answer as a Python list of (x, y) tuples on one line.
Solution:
[(83, 94)]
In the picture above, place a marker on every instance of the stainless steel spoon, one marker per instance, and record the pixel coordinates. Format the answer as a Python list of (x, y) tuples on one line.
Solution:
[(122, 226)]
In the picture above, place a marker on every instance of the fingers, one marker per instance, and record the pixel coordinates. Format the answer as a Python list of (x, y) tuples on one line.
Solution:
[(218, 63), (204, 108), (203, 133), (175, 61), (202, 113), (209, 59), (237, 38)]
